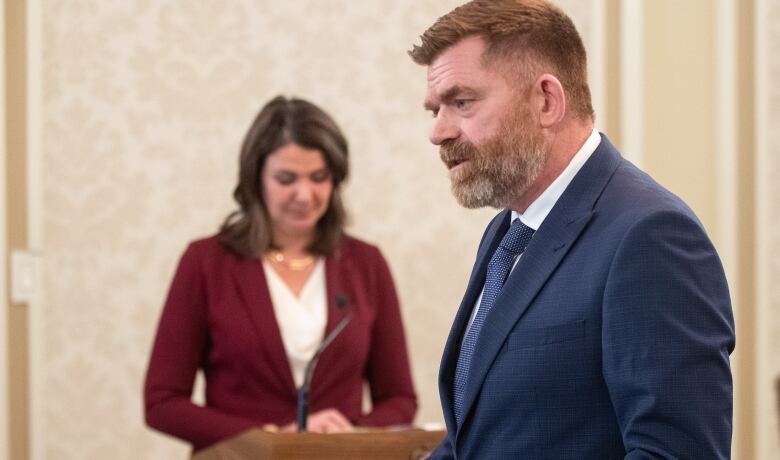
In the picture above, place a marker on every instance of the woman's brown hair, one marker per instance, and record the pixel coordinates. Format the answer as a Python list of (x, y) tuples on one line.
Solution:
[(280, 122)]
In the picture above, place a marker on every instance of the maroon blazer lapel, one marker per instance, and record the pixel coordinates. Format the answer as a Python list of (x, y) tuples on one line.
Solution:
[(249, 277), (335, 273)]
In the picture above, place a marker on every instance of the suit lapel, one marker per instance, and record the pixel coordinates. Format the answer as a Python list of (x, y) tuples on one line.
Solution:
[(550, 244), (537, 263), (335, 272), (490, 241), (250, 280)]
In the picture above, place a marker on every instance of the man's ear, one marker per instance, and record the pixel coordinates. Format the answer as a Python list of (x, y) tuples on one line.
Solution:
[(549, 100)]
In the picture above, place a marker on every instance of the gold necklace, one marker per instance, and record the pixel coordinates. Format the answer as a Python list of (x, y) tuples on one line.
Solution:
[(292, 264)]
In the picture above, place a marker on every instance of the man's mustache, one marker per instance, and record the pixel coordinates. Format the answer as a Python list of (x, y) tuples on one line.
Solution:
[(457, 151)]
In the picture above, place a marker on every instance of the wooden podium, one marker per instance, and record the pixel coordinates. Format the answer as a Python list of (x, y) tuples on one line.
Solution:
[(376, 444)]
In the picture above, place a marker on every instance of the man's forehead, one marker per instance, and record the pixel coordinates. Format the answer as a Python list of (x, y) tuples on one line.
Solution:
[(466, 53), (457, 69)]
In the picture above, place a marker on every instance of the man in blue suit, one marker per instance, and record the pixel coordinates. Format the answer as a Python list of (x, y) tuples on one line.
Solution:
[(596, 323)]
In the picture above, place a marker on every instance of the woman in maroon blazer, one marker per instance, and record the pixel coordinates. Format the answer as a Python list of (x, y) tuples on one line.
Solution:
[(250, 305)]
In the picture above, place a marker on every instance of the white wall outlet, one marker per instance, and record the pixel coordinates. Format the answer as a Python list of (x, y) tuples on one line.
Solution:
[(25, 276)]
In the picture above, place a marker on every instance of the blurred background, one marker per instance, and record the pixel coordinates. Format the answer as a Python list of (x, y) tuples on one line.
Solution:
[(121, 122)]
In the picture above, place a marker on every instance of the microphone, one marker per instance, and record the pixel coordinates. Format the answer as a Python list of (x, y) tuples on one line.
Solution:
[(303, 391)]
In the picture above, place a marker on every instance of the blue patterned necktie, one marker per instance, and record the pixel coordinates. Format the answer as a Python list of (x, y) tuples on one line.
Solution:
[(513, 243)]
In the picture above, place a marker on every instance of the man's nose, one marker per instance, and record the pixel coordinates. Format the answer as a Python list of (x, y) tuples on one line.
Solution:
[(443, 129)]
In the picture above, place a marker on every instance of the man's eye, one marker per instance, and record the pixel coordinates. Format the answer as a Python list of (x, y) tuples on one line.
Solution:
[(434, 113), (461, 104)]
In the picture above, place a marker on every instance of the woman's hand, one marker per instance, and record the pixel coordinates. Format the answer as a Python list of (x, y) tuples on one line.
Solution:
[(324, 421), (270, 427)]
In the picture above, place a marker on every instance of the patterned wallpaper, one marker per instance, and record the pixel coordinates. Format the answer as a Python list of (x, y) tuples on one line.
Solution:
[(144, 106)]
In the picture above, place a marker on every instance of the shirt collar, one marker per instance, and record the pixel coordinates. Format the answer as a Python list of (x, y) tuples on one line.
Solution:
[(538, 210)]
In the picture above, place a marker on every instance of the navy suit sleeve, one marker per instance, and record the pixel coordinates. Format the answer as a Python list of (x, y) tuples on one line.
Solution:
[(668, 330)]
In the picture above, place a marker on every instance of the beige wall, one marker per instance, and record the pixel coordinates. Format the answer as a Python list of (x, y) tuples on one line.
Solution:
[(681, 102), (767, 171), (138, 117)]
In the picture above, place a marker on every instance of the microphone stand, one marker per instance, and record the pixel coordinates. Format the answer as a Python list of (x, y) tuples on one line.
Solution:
[(303, 391)]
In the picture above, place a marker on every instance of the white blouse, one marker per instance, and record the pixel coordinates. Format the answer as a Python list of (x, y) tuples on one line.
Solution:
[(301, 319)]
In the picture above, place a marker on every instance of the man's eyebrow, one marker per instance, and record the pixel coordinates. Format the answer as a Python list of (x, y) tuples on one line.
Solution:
[(446, 97)]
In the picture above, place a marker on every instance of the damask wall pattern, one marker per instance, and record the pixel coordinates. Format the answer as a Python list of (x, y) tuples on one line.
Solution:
[(143, 108)]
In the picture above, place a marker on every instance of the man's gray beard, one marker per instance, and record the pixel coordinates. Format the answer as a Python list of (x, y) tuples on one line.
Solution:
[(502, 172)]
